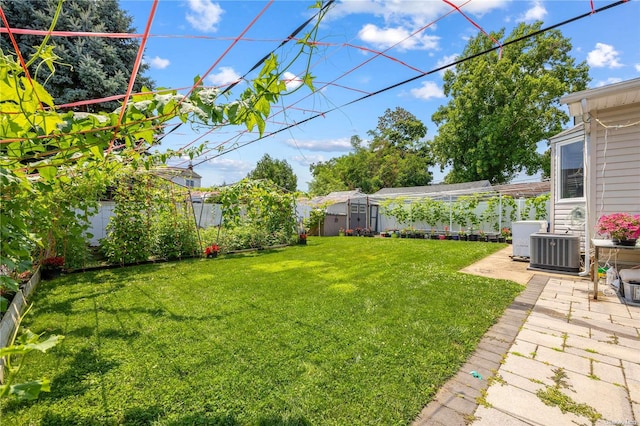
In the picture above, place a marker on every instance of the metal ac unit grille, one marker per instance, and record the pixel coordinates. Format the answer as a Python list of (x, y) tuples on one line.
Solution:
[(557, 252)]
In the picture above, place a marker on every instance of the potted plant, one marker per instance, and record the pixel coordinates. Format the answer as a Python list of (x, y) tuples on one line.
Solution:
[(302, 238), (462, 235), (51, 267), (341, 232), (212, 251), (434, 236), (504, 234), (622, 228), (447, 233)]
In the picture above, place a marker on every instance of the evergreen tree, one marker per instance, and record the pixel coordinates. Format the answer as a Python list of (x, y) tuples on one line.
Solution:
[(87, 67)]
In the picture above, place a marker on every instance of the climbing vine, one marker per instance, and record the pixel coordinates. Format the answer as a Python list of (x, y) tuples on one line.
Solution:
[(43, 150), (261, 207)]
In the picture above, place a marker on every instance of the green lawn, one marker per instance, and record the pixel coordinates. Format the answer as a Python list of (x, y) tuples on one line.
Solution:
[(343, 331)]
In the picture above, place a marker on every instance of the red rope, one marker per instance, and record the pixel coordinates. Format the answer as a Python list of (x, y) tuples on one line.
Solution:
[(134, 73), (235, 41), (476, 25), (20, 58), (330, 83), (28, 31)]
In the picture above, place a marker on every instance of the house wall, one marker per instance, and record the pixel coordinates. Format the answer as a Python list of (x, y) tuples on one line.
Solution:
[(560, 210), (182, 181), (615, 173), (616, 168)]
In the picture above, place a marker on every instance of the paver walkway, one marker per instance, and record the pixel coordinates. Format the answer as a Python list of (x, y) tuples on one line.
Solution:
[(556, 357)]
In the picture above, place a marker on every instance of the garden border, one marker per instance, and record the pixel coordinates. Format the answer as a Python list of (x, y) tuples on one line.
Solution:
[(11, 319)]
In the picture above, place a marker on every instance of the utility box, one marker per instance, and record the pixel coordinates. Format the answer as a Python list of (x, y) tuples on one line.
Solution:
[(521, 232), (555, 252), (631, 285)]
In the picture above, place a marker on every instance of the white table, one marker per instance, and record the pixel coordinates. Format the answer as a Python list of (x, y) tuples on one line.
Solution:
[(608, 244)]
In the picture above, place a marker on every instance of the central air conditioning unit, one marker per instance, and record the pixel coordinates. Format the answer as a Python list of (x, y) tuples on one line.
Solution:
[(555, 252)]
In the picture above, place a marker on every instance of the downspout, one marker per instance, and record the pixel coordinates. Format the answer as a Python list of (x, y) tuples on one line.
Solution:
[(587, 188)]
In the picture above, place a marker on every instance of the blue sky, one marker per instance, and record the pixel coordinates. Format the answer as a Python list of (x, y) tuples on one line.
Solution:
[(191, 36)]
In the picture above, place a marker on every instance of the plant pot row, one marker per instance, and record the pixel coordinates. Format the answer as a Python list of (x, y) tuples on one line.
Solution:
[(455, 237)]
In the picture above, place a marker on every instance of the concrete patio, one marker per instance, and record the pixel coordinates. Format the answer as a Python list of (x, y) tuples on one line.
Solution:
[(556, 357)]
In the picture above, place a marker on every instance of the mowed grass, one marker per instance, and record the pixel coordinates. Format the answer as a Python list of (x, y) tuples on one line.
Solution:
[(343, 331)]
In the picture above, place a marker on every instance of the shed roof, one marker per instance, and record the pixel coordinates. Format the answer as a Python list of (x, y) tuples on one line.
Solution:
[(336, 197), (172, 171), (609, 96), (433, 189)]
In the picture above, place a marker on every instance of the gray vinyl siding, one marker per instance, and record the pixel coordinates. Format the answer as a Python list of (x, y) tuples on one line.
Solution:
[(617, 161)]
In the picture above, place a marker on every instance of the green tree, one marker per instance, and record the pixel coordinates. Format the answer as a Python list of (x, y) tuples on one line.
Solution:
[(86, 67), (502, 107), (396, 156), (277, 171)]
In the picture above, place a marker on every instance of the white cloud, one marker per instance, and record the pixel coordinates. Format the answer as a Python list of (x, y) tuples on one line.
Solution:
[(446, 60), (291, 80), (330, 145), (419, 13), (206, 15), (228, 166), (384, 38), (159, 63), (637, 67), (307, 160), (604, 55), (479, 8), (225, 76), (428, 90), (537, 12), (610, 80)]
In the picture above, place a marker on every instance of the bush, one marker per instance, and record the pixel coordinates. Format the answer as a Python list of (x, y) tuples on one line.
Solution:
[(243, 237), (174, 236)]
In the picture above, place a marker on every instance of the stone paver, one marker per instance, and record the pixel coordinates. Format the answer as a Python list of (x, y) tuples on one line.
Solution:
[(554, 336)]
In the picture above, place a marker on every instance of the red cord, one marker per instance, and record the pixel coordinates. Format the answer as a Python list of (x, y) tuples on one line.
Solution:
[(476, 25), (20, 58), (217, 61), (134, 73)]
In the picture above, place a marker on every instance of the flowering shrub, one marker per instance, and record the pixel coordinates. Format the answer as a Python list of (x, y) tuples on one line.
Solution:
[(53, 262), (619, 226), (212, 250), (505, 232)]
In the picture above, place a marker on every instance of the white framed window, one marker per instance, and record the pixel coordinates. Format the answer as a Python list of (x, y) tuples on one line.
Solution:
[(570, 170), (190, 183)]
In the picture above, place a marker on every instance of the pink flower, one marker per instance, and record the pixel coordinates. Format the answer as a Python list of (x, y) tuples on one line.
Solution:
[(620, 226)]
